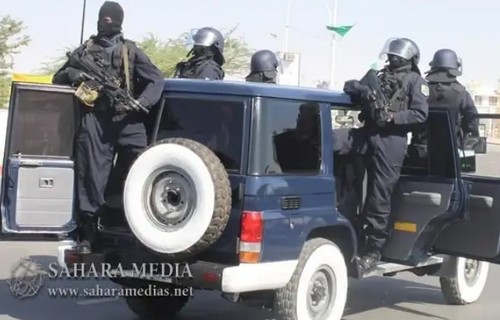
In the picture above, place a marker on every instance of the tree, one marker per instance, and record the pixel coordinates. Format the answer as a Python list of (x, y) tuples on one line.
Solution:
[(51, 67), (165, 54), (11, 41)]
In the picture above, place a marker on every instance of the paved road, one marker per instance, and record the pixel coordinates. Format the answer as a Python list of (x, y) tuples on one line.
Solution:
[(402, 297), (488, 164)]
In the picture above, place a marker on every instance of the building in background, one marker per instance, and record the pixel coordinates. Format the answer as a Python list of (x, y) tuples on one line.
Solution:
[(290, 63), (486, 98)]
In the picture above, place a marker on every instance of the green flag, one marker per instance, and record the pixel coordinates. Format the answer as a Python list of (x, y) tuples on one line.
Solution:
[(340, 30)]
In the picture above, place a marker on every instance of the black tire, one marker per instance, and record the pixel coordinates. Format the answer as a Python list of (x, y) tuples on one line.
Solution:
[(200, 222), (152, 308), (318, 254)]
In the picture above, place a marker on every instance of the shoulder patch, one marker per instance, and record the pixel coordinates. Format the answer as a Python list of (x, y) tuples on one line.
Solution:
[(424, 89)]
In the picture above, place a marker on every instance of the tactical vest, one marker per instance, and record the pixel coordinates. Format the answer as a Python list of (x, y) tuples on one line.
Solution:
[(120, 57), (193, 68), (394, 85), (447, 95)]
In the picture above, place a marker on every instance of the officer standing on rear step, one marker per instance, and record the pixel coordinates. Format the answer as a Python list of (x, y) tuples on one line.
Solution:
[(207, 57), (263, 67), (383, 138), (445, 90), (104, 125)]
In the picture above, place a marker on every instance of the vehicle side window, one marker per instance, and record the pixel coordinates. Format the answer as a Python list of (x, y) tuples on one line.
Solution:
[(215, 123), (286, 138), (44, 123), (431, 150)]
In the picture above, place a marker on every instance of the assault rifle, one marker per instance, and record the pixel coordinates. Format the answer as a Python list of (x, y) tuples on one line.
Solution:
[(379, 102), (93, 68), (377, 99)]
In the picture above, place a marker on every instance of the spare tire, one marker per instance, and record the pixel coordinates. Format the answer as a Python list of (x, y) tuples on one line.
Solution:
[(177, 197)]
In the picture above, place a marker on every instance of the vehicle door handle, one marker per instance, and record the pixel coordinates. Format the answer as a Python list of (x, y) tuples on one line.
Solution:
[(480, 201), (30, 163), (426, 198)]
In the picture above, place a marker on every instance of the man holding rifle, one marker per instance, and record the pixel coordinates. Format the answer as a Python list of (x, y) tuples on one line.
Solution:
[(117, 84), (394, 100)]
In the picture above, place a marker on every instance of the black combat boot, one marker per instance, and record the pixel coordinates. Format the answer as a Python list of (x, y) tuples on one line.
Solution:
[(369, 260), (87, 232)]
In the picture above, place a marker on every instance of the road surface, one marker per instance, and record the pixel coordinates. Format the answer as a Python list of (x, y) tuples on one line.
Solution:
[(402, 297)]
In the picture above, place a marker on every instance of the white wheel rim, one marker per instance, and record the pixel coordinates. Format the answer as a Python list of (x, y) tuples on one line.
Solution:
[(471, 278), (322, 292), (169, 197)]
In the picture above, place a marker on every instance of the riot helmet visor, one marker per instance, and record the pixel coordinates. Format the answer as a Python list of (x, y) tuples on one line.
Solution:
[(399, 47)]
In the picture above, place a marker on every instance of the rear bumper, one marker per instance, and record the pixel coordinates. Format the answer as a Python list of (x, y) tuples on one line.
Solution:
[(205, 275)]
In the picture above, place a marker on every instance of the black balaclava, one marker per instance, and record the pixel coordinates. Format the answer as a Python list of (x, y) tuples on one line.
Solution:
[(262, 77), (396, 62), (114, 11)]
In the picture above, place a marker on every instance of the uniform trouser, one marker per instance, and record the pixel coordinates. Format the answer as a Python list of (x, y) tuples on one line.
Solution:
[(384, 154), (99, 137)]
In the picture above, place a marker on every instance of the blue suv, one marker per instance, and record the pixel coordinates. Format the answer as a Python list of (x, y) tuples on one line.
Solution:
[(240, 181)]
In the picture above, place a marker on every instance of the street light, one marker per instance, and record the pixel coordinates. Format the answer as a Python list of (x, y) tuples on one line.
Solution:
[(332, 20)]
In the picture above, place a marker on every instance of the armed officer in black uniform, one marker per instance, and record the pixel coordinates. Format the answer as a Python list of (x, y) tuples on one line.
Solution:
[(105, 125), (263, 67), (207, 57), (446, 91), (383, 138)]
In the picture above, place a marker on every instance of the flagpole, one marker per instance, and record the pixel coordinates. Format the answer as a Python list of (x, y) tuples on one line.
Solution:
[(333, 22), (83, 21)]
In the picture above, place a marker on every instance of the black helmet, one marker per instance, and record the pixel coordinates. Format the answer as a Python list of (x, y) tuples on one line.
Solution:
[(401, 47), (208, 37), (264, 61), (404, 48), (446, 59), (263, 67)]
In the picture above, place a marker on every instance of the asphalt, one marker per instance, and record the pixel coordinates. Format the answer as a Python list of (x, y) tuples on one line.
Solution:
[(404, 296)]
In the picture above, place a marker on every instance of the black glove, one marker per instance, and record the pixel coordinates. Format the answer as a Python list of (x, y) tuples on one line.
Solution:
[(76, 76), (384, 117)]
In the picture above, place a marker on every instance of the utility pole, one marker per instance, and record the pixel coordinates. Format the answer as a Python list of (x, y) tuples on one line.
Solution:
[(333, 22), (83, 21)]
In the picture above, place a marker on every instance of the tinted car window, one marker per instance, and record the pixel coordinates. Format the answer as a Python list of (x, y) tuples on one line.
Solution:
[(44, 123), (218, 124), (286, 138)]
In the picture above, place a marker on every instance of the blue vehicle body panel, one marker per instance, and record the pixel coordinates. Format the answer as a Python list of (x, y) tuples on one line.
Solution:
[(256, 90)]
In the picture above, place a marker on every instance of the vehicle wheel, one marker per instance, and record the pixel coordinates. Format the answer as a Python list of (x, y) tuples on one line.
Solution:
[(151, 308), (318, 288), (177, 197), (468, 284)]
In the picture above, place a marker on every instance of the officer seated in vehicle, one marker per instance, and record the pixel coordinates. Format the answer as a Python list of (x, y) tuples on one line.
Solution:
[(263, 67), (298, 148)]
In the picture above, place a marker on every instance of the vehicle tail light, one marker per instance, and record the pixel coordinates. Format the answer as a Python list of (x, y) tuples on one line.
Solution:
[(251, 236)]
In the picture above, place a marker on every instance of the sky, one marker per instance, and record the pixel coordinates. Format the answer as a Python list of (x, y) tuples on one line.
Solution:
[(471, 28)]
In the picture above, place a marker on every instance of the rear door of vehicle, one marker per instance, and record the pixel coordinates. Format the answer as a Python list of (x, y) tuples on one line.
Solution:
[(478, 237), (429, 193), (38, 193)]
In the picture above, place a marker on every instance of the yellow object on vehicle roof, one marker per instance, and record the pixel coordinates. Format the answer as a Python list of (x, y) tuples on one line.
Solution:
[(20, 77)]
